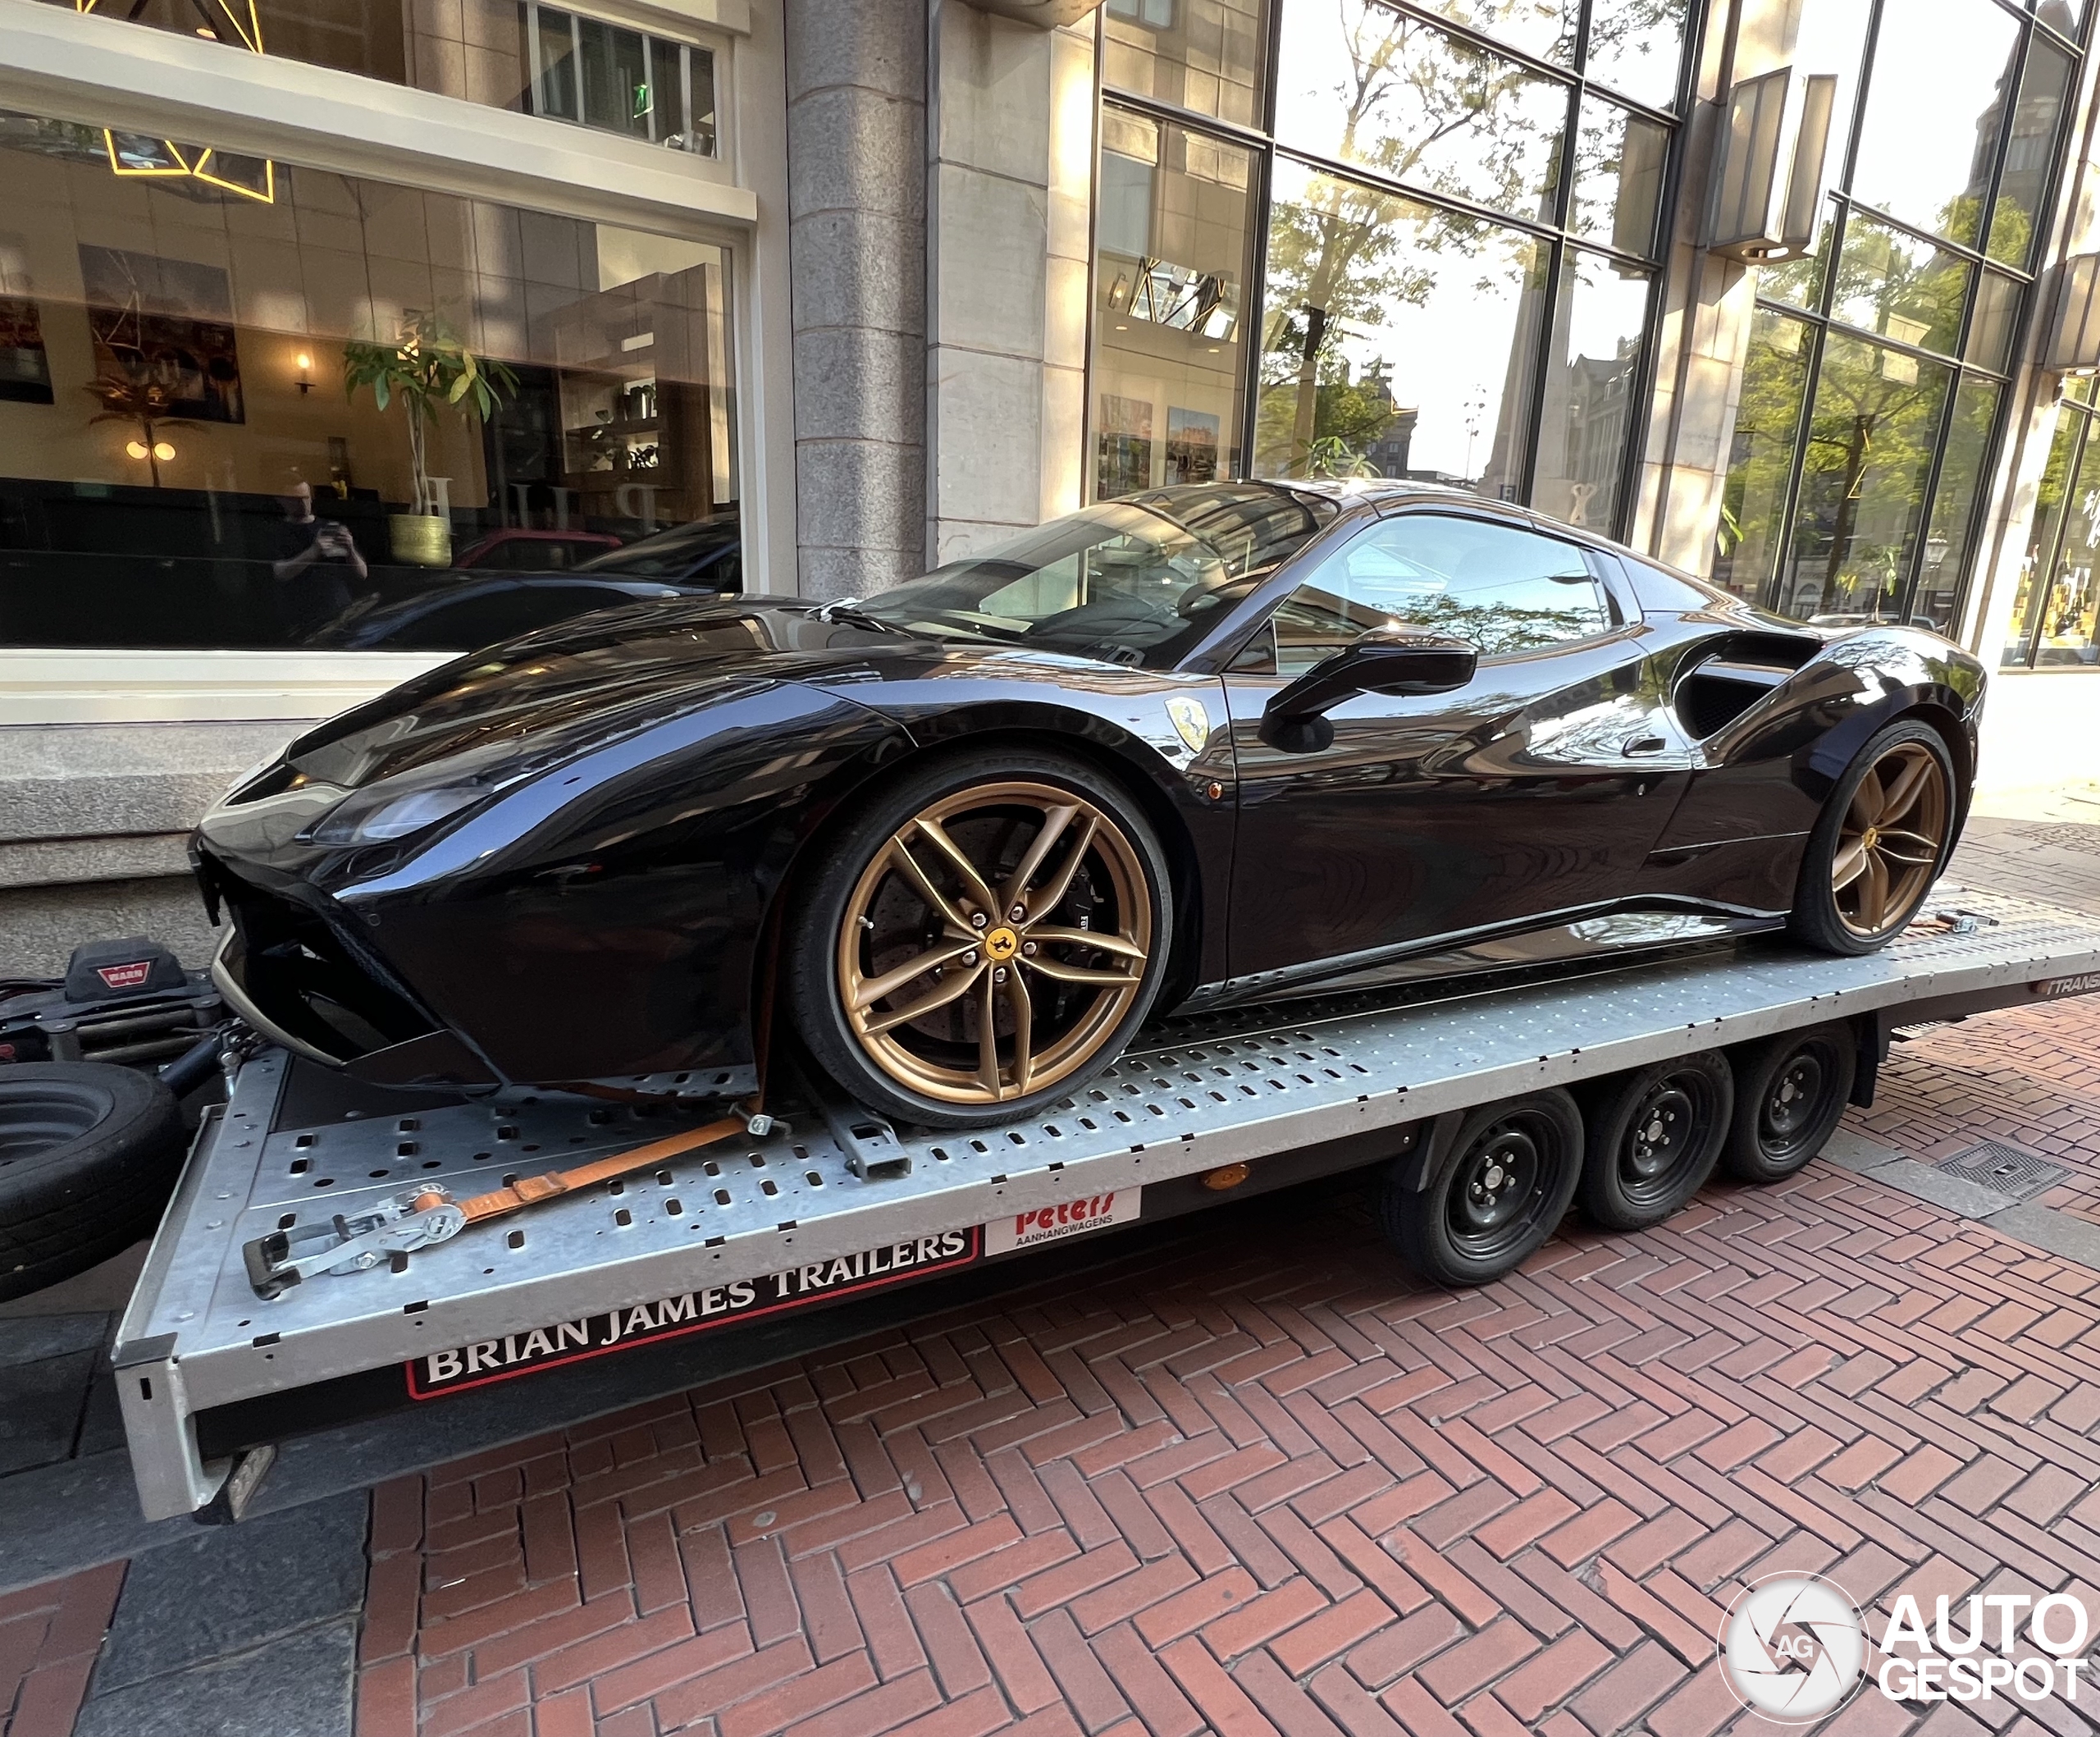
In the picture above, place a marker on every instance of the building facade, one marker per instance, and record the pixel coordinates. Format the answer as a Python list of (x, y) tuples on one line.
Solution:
[(337, 336)]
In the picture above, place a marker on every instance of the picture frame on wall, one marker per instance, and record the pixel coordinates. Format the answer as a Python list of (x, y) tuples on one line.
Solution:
[(1192, 438), (168, 323), (1123, 455), (25, 366)]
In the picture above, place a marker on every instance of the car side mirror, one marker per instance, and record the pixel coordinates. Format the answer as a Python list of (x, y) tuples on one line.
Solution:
[(1394, 661)]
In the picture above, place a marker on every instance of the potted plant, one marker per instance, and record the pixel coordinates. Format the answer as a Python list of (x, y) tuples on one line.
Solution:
[(426, 367)]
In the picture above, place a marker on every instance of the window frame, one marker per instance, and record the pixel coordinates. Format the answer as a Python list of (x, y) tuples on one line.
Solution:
[(100, 71), (1841, 206), (1556, 237)]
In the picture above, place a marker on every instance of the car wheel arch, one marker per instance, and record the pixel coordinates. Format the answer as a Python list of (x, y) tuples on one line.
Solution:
[(1146, 792)]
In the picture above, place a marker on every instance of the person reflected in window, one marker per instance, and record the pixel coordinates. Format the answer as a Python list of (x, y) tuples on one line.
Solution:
[(314, 566)]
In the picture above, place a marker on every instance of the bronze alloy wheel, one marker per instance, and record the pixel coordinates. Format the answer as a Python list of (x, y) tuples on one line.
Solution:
[(994, 942), (1890, 841)]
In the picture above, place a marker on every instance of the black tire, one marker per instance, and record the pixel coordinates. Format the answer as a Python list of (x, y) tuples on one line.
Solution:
[(1652, 1137), (88, 1155), (1816, 918), (1455, 1232), (809, 956), (1790, 1092)]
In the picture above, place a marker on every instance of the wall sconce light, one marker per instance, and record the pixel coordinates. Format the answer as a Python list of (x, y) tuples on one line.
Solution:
[(305, 361), (1768, 177), (160, 449)]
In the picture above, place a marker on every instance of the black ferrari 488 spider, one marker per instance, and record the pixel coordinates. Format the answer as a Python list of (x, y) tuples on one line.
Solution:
[(1228, 743)]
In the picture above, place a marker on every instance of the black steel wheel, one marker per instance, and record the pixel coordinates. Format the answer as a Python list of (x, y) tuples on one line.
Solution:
[(1652, 1138), (1497, 1193), (1790, 1092)]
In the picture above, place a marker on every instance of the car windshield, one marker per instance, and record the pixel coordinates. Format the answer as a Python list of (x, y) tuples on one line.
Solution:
[(674, 554), (1136, 581)]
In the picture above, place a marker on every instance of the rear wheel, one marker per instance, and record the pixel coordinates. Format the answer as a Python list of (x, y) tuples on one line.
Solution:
[(1879, 843), (1790, 1092), (1652, 1139), (1497, 1193), (981, 937)]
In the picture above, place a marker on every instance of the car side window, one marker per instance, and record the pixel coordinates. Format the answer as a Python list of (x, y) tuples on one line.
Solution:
[(1499, 587)]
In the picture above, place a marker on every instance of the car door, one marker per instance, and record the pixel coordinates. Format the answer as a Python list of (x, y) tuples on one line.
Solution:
[(1537, 788)]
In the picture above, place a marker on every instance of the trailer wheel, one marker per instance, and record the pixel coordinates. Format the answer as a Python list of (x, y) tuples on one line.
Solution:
[(88, 1152), (1790, 1091), (1495, 1195), (1652, 1137)]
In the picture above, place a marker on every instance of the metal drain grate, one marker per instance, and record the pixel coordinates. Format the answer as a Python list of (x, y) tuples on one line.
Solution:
[(2005, 1169)]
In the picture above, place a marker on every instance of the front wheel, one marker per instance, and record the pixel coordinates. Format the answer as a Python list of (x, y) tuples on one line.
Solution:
[(1497, 1193), (981, 937), (1878, 845)]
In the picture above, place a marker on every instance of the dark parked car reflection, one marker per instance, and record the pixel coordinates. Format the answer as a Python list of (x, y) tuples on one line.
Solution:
[(461, 618)]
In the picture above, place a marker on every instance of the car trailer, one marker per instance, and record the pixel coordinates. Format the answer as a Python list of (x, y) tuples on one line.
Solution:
[(832, 1203)]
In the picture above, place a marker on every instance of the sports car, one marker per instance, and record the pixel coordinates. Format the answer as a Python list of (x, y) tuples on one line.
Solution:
[(1211, 744)]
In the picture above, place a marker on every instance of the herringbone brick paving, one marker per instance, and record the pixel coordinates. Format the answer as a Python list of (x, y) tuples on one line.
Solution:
[(1255, 1482)]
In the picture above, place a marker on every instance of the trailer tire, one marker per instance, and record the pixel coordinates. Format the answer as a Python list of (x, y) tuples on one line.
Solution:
[(88, 1155), (1499, 1190), (1651, 1139), (1790, 1092)]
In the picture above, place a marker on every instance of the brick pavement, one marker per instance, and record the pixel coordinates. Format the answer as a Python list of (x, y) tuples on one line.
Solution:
[(49, 1636), (1255, 1482)]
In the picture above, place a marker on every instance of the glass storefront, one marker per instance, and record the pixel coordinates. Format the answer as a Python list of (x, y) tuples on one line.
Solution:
[(1457, 208), (2056, 614), (1876, 377), (516, 54), (308, 409)]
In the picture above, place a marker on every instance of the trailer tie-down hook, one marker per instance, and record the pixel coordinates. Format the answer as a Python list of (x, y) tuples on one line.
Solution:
[(399, 1226)]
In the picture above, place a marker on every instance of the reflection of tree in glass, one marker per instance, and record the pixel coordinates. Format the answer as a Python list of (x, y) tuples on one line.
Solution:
[(1340, 257), (1870, 443)]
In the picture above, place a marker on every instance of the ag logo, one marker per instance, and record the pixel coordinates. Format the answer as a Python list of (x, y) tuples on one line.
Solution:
[(1793, 1647)]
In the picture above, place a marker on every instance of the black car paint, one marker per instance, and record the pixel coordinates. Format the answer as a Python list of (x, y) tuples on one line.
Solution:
[(606, 916)]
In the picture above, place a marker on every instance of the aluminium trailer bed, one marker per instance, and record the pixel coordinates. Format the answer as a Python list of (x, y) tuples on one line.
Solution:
[(837, 1205)]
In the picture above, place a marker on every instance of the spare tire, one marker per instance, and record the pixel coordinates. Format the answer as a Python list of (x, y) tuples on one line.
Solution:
[(89, 1155)]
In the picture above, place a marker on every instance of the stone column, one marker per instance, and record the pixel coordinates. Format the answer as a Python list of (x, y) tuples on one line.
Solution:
[(856, 180)]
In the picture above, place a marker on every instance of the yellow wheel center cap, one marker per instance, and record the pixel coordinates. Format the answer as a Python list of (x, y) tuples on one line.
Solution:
[(1870, 838), (1001, 944)]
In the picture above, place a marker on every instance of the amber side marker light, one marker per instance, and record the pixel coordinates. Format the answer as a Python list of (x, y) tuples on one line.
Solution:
[(1224, 1176)]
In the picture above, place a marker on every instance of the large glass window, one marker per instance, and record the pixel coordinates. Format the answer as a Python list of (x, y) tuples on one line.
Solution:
[(506, 53), (1425, 308), (234, 422), (1204, 56), (1175, 212), (2056, 621), (1870, 409), (1361, 82), (1399, 338)]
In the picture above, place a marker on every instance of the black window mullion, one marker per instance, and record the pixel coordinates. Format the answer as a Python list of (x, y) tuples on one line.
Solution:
[(1851, 162), (1542, 361), (1253, 316)]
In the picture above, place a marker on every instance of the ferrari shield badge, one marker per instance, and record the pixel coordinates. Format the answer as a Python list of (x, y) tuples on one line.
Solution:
[(1192, 724)]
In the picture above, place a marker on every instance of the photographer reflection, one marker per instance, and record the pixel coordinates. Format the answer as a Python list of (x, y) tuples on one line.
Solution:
[(314, 570)]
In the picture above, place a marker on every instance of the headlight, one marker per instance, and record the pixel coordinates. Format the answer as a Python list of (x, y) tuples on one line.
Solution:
[(358, 821)]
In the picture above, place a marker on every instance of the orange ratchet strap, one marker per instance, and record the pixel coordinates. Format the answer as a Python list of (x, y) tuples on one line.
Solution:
[(529, 1190)]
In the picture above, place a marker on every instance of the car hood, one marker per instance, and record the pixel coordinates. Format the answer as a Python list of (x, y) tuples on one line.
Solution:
[(520, 707)]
